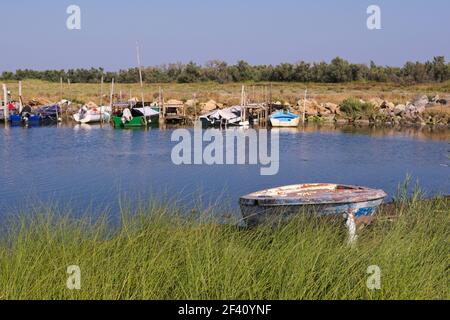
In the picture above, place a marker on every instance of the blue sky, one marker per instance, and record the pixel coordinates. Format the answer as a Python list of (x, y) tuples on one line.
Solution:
[(258, 31)]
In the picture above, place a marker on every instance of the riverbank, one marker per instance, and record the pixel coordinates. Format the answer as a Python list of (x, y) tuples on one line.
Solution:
[(154, 255), (355, 102)]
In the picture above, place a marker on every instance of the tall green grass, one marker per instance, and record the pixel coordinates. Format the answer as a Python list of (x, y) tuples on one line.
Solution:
[(156, 255)]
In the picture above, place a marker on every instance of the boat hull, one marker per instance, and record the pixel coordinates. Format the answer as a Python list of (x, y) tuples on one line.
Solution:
[(364, 212), (92, 117), (284, 119), (320, 200), (136, 122)]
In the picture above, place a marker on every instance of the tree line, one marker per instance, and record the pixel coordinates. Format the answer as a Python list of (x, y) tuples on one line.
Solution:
[(338, 70)]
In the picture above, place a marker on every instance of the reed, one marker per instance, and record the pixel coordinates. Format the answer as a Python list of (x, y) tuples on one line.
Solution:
[(155, 254)]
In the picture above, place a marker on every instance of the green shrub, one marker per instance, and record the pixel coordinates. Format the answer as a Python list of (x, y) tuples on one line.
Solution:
[(357, 109)]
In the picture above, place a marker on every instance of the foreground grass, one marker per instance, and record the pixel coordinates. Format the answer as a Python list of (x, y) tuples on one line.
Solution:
[(152, 256)]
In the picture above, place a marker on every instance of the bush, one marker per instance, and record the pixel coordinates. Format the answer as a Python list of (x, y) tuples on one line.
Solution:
[(357, 109)]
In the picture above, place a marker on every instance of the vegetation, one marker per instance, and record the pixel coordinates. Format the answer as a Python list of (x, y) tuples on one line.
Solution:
[(229, 93), (337, 71), (155, 255), (356, 109)]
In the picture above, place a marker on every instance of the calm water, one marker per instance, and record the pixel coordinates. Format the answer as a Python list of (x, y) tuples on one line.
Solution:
[(91, 166)]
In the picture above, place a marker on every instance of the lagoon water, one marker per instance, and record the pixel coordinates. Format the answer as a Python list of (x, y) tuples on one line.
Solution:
[(88, 168)]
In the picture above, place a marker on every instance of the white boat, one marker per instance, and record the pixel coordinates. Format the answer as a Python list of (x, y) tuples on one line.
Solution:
[(93, 114), (284, 119), (227, 116)]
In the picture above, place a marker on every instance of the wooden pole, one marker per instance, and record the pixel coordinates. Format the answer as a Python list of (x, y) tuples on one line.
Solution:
[(140, 80), (5, 104), (304, 106), (20, 97), (195, 107), (60, 88), (101, 100), (111, 94)]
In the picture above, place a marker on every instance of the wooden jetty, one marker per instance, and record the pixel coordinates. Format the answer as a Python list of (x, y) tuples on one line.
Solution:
[(173, 111)]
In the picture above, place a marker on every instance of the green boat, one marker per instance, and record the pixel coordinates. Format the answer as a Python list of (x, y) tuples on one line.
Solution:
[(142, 117), (136, 122)]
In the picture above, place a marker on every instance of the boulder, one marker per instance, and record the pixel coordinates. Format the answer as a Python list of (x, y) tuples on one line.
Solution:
[(332, 107), (322, 111), (399, 109), (377, 102), (191, 103), (421, 101), (387, 105), (311, 106), (209, 106)]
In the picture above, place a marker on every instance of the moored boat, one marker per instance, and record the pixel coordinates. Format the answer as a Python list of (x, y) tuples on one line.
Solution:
[(49, 114), (92, 113), (357, 204), (284, 119), (223, 117), (137, 117)]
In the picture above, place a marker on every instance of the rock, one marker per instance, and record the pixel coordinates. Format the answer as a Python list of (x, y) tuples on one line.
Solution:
[(399, 109), (311, 106), (377, 102), (209, 106), (388, 105), (421, 101), (191, 103), (334, 108)]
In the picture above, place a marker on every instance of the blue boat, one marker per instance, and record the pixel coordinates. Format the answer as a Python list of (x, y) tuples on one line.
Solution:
[(284, 119), (15, 119), (49, 114), (357, 204)]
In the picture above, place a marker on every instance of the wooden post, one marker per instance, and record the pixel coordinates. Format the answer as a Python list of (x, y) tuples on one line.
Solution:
[(304, 106), (101, 100), (244, 110), (68, 95), (140, 80), (60, 88), (20, 97), (195, 107), (111, 94), (5, 104)]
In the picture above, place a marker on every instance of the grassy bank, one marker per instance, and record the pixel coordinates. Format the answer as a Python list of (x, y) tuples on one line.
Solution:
[(152, 256), (231, 93)]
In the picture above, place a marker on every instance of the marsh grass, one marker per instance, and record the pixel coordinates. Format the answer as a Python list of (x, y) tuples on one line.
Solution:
[(156, 253), (230, 93)]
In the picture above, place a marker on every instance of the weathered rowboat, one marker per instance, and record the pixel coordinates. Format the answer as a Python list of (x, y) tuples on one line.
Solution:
[(284, 119), (357, 204)]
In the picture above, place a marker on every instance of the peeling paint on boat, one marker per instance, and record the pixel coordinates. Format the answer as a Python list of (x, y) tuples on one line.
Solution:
[(319, 199)]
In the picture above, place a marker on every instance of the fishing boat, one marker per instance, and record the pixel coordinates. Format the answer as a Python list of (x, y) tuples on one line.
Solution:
[(228, 116), (49, 114), (140, 117), (357, 204), (93, 114), (284, 119), (26, 117)]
